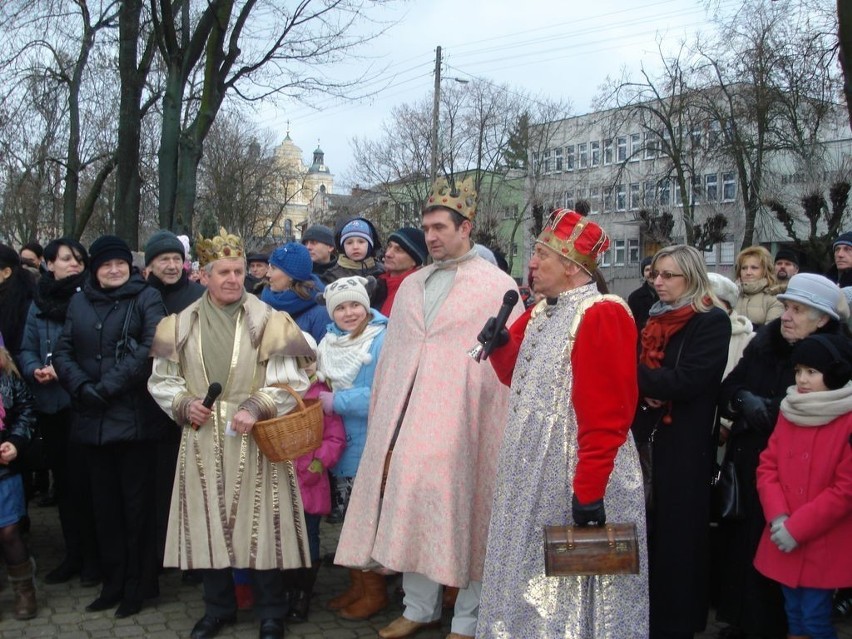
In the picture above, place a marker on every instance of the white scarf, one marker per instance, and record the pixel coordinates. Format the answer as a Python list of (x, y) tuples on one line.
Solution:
[(340, 357), (816, 409)]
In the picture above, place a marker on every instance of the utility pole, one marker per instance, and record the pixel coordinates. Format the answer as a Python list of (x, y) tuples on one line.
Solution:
[(433, 169)]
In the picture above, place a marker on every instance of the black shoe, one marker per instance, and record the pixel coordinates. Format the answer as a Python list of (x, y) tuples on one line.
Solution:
[(62, 573), (300, 604), (209, 626), (127, 608), (271, 629), (102, 603)]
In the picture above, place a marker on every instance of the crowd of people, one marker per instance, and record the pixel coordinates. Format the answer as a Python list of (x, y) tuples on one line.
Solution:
[(444, 462)]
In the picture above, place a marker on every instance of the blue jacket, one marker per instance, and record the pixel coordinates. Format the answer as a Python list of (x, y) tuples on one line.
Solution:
[(40, 337), (353, 404)]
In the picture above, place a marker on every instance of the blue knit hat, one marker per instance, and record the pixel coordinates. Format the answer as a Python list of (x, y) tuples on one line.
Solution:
[(844, 240), (293, 259), (356, 228)]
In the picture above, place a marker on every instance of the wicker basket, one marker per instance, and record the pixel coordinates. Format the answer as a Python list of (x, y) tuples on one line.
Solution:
[(292, 435)]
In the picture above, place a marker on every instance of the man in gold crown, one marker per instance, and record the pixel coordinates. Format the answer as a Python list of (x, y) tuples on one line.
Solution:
[(442, 415), (571, 364), (231, 507)]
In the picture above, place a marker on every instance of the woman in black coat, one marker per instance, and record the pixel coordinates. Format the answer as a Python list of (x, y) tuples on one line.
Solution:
[(102, 362), (684, 348), (65, 275), (751, 396)]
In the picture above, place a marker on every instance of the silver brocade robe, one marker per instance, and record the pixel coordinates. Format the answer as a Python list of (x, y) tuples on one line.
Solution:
[(534, 488)]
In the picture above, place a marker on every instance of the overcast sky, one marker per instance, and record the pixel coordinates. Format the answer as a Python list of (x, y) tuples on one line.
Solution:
[(561, 48)]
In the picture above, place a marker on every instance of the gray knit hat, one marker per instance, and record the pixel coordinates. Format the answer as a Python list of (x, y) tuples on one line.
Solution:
[(319, 233), (163, 242), (816, 291)]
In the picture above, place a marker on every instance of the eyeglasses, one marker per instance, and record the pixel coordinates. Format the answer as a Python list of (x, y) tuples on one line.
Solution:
[(666, 275)]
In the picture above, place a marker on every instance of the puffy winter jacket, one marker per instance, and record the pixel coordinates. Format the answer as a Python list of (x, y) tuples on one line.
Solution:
[(20, 416), (86, 353)]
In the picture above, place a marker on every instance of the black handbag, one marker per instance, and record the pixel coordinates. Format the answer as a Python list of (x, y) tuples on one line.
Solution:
[(126, 345), (726, 500), (646, 463)]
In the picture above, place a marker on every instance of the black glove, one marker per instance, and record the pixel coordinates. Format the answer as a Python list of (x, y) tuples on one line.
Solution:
[(588, 515), (487, 335), (754, 412), (90, 397)]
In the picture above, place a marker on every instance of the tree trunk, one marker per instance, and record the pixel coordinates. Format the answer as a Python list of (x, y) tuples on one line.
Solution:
[(187, 182), (844, 34), (169, 145), (128, 181)]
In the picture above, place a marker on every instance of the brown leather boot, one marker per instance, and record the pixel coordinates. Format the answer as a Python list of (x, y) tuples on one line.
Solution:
[(23, 583), (375, 598), (352, 594)]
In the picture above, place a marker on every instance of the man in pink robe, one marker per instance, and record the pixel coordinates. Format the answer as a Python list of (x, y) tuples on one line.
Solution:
[(443, 414)]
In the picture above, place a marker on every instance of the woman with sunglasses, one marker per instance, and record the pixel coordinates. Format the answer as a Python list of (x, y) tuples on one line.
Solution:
[(683, 351)]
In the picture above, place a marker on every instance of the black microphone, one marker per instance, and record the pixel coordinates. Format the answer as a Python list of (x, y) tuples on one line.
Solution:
[(510, 298), (213, 391)]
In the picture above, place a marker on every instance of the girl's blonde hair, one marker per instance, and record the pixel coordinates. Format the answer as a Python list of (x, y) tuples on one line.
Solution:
[(691, 264), (7, 364)]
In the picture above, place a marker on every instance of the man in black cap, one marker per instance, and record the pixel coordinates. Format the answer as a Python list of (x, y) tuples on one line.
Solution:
[(319, 240), (164, 258), (258, 265), (786, 266), (405, 253), (841, 271), (642, 299)]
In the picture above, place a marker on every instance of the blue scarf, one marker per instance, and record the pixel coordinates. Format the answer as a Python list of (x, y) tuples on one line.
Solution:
[(289, 302)]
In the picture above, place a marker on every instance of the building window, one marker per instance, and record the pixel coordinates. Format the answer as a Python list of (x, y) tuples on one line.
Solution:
[(607, 153), (635, 146), (607, 200), (620, 252), (695, 137), (535, 162), (727, 253), (729, 187), (650, 145), (557, 159), (650, 194), (580, 194), (569, 157), (665, 192), (621, 148), (546, 161), (514, 249), (714, 134), (583, 155), (568, 200), (596, 153), (711, 187), (620, 197), (710, 256), (677, 199), (633, 251), (695, 196), (594, 200), (604, 258), (635, 196)]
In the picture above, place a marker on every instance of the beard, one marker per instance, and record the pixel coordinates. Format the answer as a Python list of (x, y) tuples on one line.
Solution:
[(782, 275)]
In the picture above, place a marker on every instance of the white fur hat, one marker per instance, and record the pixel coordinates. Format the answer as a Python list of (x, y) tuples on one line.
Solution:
[(346, 289), (724, 289)]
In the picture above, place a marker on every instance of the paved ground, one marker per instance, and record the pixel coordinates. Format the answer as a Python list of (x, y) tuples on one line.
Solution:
[(61, 613)]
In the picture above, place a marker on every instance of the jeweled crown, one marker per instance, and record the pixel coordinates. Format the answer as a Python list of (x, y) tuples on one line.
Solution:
[(219, 246), (460, 197)]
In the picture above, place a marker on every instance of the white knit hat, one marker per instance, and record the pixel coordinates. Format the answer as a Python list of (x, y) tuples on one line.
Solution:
[(346, 289)]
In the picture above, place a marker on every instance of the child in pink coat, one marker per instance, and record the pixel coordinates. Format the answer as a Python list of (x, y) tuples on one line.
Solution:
[(805, 485), (312, 473)]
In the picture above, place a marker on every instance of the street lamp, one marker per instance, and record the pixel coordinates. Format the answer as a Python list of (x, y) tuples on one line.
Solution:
[(433, 168)]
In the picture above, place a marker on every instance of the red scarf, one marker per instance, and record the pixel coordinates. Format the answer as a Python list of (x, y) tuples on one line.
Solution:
[(657, 333), (393, 282)]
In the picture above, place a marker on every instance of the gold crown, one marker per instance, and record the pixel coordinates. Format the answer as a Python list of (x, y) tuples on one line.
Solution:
[(217, 247), (461, 198)]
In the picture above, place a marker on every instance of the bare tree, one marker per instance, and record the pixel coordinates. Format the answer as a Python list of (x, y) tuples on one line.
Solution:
[(254, 50)]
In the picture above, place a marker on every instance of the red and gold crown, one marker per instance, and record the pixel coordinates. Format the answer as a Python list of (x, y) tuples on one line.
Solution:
[(460, 198), (218, 247), (575, 237)]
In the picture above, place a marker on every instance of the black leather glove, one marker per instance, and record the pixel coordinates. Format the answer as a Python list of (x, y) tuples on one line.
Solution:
[(593, 514), (754, 413), (90, 397), (487, 334)]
